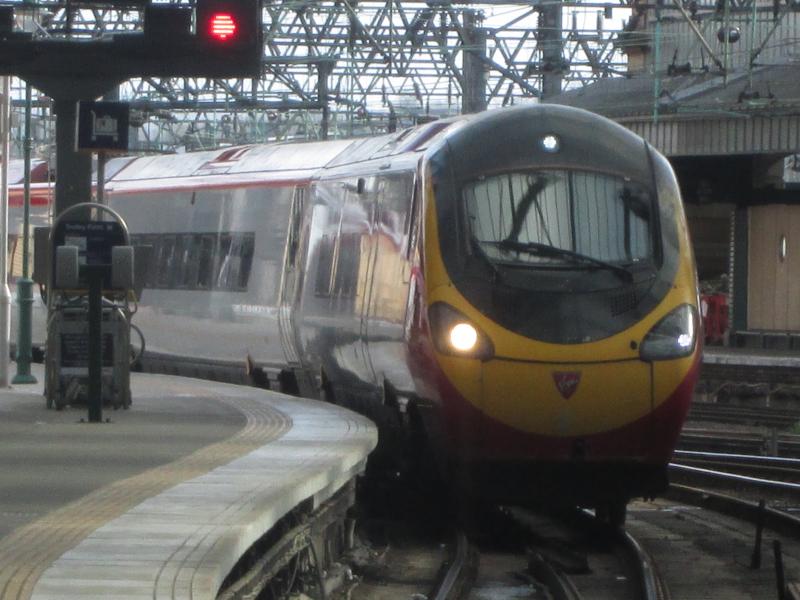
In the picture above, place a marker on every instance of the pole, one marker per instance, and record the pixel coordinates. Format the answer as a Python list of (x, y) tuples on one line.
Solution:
[(323, 72), (474, 44), (5, 293), (657, 66), (550, 36), (95, 400), (73, 170), (101, 177), (24, 283)]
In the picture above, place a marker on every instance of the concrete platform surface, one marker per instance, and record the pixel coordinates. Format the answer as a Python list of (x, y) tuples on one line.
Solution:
[(161, 501), (750, 357)]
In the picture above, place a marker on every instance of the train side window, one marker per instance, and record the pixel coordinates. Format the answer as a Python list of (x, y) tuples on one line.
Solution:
[(235, 264), (322, 285), (225, 262), (166, 261), (348, 263), (183, 263), (205, 260), (396, 206), (246, 252), (412, 225), (295, 225), (152, 241)]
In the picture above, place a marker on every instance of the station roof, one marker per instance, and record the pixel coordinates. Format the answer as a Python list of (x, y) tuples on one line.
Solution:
[(705, 113)]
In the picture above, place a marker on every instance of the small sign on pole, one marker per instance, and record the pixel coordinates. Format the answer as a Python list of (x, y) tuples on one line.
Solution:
[(103, 126)]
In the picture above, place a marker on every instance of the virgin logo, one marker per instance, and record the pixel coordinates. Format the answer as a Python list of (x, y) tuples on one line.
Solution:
[(567, 382)]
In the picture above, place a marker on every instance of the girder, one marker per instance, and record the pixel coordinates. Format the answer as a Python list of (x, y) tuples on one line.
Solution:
[(403, 58)]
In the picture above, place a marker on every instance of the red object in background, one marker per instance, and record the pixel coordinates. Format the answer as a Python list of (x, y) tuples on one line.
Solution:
[(714, 308)]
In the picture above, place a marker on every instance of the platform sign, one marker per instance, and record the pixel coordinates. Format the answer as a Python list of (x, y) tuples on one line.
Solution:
[(103, 126), (94, 240), (75, 352)]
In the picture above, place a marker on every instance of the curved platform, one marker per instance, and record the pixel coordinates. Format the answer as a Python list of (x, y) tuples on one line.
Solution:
[(162, 501)]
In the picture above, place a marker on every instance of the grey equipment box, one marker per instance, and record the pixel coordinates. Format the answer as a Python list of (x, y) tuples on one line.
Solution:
[(68, 349)]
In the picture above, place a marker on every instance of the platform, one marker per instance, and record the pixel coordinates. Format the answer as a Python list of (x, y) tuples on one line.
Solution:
[(751, 366), (161, 501)]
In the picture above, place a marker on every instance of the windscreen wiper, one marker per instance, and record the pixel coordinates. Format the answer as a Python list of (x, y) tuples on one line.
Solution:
[(476, 246), (540, 249)]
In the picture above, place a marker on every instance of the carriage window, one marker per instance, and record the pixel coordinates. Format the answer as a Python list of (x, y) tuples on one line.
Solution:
[(225, 261), (183, 261), (235, 260), (322, 285), (166, 261), (594, 214), (204, 253), (195, 261), (247, 245), (349, 260), (395, 197)]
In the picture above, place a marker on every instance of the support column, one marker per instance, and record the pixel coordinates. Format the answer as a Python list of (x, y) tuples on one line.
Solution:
[(474, 45), (550, 35), (738, 281), (5, 292), (73, 170), (24, 283), (323, 72)]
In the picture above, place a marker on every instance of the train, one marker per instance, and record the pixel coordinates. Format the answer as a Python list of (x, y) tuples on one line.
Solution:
[(513, 293)]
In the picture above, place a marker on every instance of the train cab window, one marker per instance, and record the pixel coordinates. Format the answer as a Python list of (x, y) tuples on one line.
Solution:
[(526, 218)]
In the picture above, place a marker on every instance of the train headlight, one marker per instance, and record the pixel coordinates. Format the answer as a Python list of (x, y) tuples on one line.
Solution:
[(550, 143), (456, 335), (674, 336), (463, 337)]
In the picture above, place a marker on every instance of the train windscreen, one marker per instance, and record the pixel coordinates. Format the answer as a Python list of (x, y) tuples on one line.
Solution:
[(548, 218)]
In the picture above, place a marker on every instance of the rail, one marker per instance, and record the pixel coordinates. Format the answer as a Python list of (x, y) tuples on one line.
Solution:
[(773, 461), (652, 586), (746, 479), (457, 575)]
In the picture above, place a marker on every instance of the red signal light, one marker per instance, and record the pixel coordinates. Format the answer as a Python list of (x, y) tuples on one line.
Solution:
[(222, 26)]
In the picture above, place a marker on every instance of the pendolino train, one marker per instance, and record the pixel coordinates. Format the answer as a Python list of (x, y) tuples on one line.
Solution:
[(518, 285)]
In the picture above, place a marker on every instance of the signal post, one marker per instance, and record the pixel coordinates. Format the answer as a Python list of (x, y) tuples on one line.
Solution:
[(210, 38)]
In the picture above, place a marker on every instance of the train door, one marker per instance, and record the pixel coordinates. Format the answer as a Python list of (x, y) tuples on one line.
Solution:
[(291, 281), (362, 202), (388, 299), (370, 252)]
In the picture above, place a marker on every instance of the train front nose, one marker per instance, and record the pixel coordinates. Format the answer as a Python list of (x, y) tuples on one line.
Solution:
[(566, 411)]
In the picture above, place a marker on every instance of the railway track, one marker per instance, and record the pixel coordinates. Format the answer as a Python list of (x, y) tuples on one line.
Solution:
[(754, 469), (702, 551), (516, 554), (754, 442), (765, 416), (576, 557)]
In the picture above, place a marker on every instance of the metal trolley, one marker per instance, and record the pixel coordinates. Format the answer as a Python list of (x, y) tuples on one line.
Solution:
[(89, 311)]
